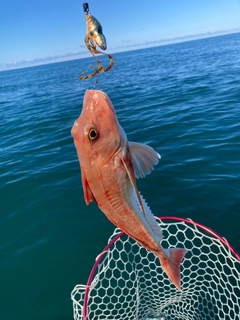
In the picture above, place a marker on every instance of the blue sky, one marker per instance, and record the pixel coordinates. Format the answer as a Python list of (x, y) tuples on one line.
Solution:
[(39, 31)]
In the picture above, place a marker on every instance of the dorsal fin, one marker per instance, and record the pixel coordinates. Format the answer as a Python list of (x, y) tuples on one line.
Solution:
[(151, 220), (144, 158)]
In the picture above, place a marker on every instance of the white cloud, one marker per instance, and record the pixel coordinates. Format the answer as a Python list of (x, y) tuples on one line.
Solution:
[(48, 59)]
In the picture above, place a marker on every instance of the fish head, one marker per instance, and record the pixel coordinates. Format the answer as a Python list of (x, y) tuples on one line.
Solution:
[(97, 33), (97, 134)]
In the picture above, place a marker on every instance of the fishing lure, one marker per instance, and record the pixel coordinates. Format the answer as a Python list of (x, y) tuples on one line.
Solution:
[(94, 37)]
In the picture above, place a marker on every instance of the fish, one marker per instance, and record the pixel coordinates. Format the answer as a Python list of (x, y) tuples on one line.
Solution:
[(94, 37), (94, 32), (110, 165)]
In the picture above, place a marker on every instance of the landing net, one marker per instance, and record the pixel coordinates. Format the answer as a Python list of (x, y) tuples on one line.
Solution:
[(128, 283)]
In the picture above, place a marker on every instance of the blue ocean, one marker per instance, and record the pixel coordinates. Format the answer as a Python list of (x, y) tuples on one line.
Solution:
[(182, 99)]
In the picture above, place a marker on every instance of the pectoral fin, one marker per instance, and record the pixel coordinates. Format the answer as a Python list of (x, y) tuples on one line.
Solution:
[(88, 195), (144, 158)]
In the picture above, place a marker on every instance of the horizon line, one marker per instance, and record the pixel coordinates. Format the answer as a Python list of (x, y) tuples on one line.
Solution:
[(72, 56)]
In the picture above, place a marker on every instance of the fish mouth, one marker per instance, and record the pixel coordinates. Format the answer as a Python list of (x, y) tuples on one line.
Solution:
[(101, 41), (94, 98)]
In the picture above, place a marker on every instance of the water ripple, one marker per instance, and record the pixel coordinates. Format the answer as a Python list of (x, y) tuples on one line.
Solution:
[(182, 99)]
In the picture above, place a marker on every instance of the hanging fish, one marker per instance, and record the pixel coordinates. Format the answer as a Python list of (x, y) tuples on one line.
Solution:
[(94, 37), (109, 166)]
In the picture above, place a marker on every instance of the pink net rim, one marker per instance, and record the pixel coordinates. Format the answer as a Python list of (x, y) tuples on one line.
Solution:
[(164, 218)]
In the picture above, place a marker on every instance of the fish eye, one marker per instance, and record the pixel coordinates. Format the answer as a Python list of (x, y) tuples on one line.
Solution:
[(99, 30), (92, 134)]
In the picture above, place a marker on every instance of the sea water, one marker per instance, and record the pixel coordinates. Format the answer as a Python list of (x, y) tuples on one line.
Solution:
[(182, 99)]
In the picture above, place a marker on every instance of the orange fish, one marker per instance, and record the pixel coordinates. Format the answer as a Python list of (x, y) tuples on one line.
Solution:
[(109, 166)]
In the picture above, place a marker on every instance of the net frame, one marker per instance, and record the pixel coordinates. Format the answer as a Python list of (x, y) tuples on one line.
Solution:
[(118, 234)]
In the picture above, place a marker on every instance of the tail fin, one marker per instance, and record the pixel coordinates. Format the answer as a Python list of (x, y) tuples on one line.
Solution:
[(171, 266)]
